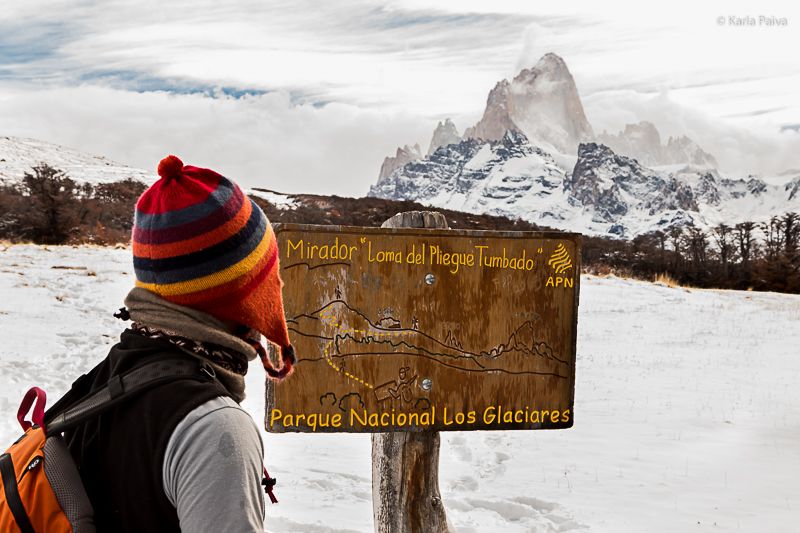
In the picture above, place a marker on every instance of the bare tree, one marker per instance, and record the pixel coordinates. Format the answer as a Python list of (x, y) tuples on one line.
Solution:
[(698, 246), (791, 229), (773, 237), (724, 241), (661, 239), (745, 240), (676, 237), (51, 215)]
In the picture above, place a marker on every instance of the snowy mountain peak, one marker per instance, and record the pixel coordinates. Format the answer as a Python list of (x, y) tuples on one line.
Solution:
[(642, 141), (552, 65), (444, 134), (682, 149), (519, 160), (18, 155), (605, 193), (497, 115), (404, 155), (478, 176), (542, 102), (614, 186)]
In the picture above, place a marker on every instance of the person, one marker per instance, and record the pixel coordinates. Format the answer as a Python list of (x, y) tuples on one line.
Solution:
[(184, 456)]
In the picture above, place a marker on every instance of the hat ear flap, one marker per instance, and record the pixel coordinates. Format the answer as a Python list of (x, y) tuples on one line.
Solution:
[(288, 360)]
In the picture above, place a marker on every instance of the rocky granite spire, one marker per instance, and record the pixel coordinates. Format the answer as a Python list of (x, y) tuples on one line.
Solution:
[(444, 134), (402, 157), (542, 102), (643, 142)]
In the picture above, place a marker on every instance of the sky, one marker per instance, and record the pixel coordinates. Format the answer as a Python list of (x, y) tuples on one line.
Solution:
[(302, 96)]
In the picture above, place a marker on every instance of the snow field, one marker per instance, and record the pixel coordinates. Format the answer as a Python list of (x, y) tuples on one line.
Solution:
[(687, 410)]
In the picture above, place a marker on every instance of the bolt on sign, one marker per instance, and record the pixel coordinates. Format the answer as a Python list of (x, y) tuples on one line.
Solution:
[(422, 329)]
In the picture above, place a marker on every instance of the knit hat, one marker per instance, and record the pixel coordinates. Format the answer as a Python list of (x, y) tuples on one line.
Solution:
[(199, 241)]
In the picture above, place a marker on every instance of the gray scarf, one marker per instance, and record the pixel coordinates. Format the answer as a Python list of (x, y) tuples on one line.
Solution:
[(149, 309)]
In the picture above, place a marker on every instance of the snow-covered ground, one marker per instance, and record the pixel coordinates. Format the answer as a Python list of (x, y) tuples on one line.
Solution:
[(19, 154), (278, 199), (687, 410)]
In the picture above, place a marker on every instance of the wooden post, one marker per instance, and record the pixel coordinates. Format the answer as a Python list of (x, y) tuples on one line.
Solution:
[(405, 465)]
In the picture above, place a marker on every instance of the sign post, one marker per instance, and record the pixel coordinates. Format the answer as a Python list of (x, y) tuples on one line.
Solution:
[(405, 465), (406, 331)]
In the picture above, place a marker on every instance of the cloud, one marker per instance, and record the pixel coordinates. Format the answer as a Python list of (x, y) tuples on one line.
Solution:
[(732, 90), (310, 96), (259, 140), (739, 150), (298, 96), (370, 54)]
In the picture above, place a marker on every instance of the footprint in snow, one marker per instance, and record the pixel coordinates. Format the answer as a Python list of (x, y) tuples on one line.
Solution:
[(529, 512)]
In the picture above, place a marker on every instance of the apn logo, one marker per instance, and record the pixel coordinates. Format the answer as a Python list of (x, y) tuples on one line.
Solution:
[(560, 260)]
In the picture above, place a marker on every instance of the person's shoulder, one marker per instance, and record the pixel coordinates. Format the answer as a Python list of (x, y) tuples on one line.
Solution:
[(216, 412), (213, 448), (219, 417), (219, 424), (212, 406)]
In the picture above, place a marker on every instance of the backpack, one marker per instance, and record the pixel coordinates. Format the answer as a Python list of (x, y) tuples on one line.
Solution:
[(42, 491)]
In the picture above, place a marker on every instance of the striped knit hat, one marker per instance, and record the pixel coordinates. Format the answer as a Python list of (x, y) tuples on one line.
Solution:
[(199, 241)]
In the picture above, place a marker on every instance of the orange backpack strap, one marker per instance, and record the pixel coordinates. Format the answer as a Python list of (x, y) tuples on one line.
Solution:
[(13, 499)]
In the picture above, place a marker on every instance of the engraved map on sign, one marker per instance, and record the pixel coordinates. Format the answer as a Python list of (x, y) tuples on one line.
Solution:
[(411, 329)]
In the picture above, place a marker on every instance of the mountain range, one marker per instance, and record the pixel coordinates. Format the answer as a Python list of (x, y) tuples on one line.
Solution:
[(534, 155)]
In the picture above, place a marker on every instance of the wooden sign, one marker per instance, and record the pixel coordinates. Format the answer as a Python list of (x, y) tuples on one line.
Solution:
[(414, 329)]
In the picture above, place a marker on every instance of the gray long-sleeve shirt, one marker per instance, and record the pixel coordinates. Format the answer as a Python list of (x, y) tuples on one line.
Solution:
[(213, 469)]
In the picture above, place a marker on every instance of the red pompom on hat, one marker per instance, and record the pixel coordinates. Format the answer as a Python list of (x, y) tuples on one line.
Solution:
[(170, 167), (199, 241)]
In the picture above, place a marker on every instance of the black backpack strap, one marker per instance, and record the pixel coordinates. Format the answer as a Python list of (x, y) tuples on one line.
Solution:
[(127, 385), (80, 388), (11, 493)]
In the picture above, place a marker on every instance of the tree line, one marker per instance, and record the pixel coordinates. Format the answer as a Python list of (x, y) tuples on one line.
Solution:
[(49, 207), (748, 255)]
